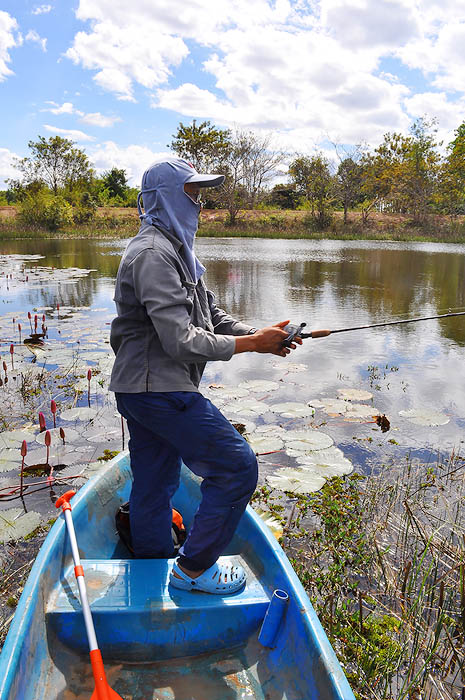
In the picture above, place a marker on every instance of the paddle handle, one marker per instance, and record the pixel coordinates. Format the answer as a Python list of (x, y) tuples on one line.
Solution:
[(79, 573), (102, 690)]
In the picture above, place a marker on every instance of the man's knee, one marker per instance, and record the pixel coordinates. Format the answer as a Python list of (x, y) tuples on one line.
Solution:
[(246, 474)]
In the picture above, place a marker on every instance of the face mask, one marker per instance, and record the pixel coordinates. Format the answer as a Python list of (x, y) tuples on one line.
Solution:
[(198, 202)]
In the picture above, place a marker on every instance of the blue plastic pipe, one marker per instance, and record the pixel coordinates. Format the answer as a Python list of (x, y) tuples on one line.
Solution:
[(274, 615)]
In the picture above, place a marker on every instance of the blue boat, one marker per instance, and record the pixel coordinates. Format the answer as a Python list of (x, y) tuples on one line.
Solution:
[(160, 643)]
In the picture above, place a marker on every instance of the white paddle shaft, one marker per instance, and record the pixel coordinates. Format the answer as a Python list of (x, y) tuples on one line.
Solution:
[(81, 583)]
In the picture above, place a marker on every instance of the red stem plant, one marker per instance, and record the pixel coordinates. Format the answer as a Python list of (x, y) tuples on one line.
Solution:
[(42, 424), (48, 440), (89, 377), (23, 455)]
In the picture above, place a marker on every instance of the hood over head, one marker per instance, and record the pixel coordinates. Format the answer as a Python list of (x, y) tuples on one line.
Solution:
[(167, 206)]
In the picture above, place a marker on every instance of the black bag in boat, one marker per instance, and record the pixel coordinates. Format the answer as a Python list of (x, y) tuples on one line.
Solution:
[(178, 531)]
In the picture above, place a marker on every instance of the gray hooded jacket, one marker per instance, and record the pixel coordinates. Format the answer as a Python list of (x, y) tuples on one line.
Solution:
[(168, 325)]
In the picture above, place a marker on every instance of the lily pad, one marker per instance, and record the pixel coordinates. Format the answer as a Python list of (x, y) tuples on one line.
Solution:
[(296, 480), (306, 440), (247, 407), (14, 438), (15, 524), (261, 444), (354, 394), (329, 462), (425, 416), (344, 408), (259, 385), (70, 436), (291, 367), (10, 459), (292, 409), (78, 413), (360, 410), (226, 392)]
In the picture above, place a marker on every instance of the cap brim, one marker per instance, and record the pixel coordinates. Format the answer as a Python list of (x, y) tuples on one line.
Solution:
[(206, 180)]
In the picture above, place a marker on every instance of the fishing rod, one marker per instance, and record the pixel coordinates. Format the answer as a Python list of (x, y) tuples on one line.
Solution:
[(297, 331)]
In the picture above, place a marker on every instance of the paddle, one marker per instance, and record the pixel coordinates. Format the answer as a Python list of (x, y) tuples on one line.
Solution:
[(102, 689)]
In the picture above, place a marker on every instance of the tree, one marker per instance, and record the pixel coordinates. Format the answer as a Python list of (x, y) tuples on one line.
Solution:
[(283, 196), (400, 176), (419, 174), (56, 163), (450, 194), (260, 164), (246, 160), (204, 145), (313, 179), (349, 184), (115, 182)]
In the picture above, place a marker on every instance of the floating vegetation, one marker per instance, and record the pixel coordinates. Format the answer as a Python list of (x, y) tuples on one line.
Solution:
[(10, 459), (264, 444), (344, 408), (327, 462), (226, 392), (270, 521), (15, 523), (305, 440), (296, 480), (259, 385), (79, 413), (250, 408), (425, 416), (291, 409), (354, 394)]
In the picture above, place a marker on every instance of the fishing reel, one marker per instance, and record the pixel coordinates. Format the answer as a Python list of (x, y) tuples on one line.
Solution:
[(294, 332)]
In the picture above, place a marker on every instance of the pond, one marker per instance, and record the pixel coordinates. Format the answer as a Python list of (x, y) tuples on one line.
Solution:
[(324, 398)]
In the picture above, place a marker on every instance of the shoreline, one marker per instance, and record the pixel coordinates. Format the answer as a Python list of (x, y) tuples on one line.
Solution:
[(277, 224)]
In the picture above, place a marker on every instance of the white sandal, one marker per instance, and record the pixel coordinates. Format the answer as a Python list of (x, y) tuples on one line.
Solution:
[(222, 578)]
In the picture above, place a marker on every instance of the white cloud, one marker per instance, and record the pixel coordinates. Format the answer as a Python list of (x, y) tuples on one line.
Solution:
[(65, 108), (128, 53), (134, 159), (33, 36), (305, 69), (435, 105), (6, 165), (73, 134), (97, 119), (42, 10), (93, 118), (9, 39), (361, 23)]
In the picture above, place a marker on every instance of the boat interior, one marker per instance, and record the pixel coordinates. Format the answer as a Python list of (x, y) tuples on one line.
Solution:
[(160, 643)]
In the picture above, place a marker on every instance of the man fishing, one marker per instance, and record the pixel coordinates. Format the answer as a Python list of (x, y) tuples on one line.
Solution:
[(167, 327)]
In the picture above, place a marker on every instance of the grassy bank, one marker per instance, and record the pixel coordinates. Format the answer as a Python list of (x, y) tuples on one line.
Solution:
[(382, 558), (123, 223)]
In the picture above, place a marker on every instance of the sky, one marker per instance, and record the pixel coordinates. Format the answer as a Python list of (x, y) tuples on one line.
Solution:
[(117, 77)]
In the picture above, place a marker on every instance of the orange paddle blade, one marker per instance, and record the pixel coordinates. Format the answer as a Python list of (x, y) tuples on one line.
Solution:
[(102, 689)]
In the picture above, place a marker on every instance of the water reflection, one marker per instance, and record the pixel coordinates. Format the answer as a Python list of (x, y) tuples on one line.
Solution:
[(328, 284)]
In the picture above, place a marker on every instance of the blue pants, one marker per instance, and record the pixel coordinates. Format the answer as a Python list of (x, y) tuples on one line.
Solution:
[(164, 429)]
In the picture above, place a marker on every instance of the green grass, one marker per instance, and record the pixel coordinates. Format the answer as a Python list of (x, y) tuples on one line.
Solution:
[(257, 224), (383, 560)]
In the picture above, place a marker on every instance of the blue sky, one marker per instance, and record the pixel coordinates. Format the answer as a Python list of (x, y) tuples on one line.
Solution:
[(117, 77)]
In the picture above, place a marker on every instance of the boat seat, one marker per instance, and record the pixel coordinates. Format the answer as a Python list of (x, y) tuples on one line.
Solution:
[(138, 617)]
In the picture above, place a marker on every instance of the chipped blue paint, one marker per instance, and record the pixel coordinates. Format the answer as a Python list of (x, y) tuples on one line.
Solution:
[(139, 619)]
